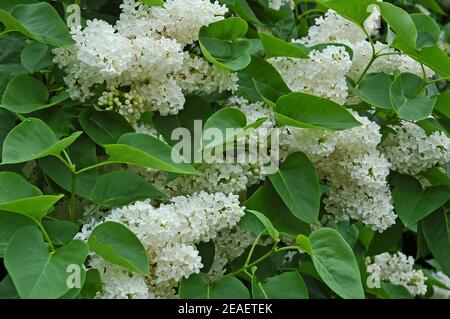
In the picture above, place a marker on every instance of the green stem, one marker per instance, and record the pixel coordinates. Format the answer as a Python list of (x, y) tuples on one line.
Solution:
[(20, 117), (68, 159), (70, 167), (44, 232), (256, 262), (86, 169), (73, 205), (250, 254), (287, 248)]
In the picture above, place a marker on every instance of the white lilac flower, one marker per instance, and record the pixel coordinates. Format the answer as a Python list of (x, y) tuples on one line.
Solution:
[(411, 151), (353, 168), (333, 28), (323, 74), (144, 53), (397, 269), (169, 234)]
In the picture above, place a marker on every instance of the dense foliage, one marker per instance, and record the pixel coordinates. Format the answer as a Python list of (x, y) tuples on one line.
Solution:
[(117, 179)]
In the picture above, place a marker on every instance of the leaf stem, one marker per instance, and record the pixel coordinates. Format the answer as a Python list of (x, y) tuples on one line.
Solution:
[(73, 204), (46, 236), (86, 169)]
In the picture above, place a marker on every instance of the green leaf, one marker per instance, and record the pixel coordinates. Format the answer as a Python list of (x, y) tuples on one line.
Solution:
[(267, 201), (298, 185), (401, 22), (443, 104), (288, 285), (412, 203), (354, 10), (148, 151), (428, 31), (336, 264), (222, 45), (207, 251), (28, 20), (386, 241), (118, 245), (437, 177), (104, 127), (7, 289), (19, 196), (35, 270), (120, 188), (83, 154), (33, 139), (195, 108), (60, 231), (243, 9), (436, 230), (276, 47), (375, 90), (229, 288), (267, 224), (36, 56), (271, 85), (196, 287), (9, 224), (308, 111), (8, 121), (406, 99), (24, 94), (226, 119), (7, 5), (92, 284)]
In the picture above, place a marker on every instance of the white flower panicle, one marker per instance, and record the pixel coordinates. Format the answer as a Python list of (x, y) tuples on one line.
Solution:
[(411, 151), (397, 269), (353, 168), (323, 74), (144, 53), (120, 284), (169, 234), (333, 28)]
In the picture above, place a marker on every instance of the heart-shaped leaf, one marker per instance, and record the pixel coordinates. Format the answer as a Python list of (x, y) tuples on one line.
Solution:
[(222, 45), (261, 81), (19, 196), (27, 19), (121, 188), (408, 98), (36, 56), (267, 201), (288, 285), (412, 202), (436, 230), (375, 90), (9, 224), (309, 111), (197, 287), (336, 264), (275, 47), (33, 139), (148, 151), (297, 183), (104, 127), (118, 245), (24, 94), (35, 270)]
